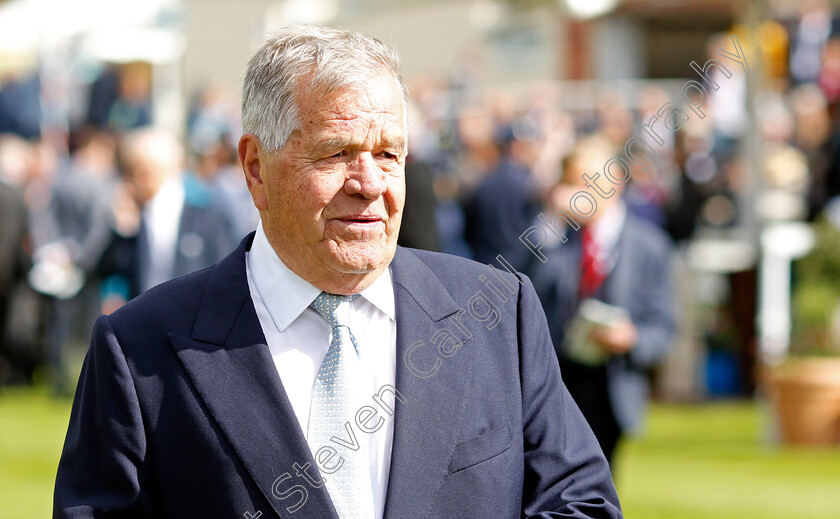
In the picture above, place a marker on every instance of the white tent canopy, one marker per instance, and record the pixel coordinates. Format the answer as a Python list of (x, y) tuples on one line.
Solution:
[(30, 26), (58, 33)]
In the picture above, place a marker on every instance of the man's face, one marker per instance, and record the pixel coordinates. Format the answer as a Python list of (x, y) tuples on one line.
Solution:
[(331, 199), (147, 170), (588, 163)]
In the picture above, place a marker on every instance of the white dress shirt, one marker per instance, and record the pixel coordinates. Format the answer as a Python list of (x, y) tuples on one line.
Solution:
[(161, 220), (298, 338), (606, 232)]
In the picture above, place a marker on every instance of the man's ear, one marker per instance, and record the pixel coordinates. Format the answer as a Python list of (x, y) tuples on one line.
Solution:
[(251, 157)]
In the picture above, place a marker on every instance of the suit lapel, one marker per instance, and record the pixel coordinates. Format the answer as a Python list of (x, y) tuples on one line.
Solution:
[(617, 286), (228, 362), (185, 224), (567, 281), (570, 258), (426, 425)]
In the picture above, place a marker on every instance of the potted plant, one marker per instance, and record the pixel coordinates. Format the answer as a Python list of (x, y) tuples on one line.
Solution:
[(805, 389)]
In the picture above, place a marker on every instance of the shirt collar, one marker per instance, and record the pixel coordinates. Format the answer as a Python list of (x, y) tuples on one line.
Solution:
[(607, 229), (381, 294), (286, 295), (170, 194)]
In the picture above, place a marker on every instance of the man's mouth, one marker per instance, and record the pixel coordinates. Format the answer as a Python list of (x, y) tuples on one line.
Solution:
[(360, 219)]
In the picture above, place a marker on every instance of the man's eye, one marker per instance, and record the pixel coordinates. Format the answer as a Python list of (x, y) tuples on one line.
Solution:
[(338, 155), (387, 155)]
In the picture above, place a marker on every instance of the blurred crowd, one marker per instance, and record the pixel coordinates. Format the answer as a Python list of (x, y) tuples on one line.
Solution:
[(96, 214)]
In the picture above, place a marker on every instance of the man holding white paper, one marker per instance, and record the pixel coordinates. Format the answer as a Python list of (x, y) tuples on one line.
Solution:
[(607, 296)]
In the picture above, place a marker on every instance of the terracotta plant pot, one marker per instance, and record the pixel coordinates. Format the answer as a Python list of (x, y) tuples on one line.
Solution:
[(805, 395)]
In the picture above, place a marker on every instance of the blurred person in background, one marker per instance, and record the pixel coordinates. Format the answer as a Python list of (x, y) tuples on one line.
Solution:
[(101, 96), (653, 184), (163, 230), (20, 105), (786, 178), (14, 261), (726, 105), (43, 168), (830, 86), (466, 157), (477, 146), (614, 119), (504, 204), (419, 229), (808, 40), (622, 263), (77, 231), (556, 134), (829, 80), (698, 179), (32, 168), (217, 176), (212, 125), (812, 129), (119, 99), (132, 107)]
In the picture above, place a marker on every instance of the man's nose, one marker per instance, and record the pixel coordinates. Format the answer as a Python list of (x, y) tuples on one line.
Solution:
[(365, 178)]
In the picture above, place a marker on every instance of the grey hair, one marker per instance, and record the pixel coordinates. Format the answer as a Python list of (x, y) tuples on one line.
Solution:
[(331, 59), (157, 142)]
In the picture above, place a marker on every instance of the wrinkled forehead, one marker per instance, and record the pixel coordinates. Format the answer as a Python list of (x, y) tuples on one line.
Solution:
[(332, 75), (379, 100)]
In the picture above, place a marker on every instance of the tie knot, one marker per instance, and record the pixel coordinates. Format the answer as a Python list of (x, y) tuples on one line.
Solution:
[(326, 304)]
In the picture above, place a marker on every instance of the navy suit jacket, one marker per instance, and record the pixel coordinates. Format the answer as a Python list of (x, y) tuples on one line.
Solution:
[(640, 282), (180, 412), (501, 206), (204, 237)]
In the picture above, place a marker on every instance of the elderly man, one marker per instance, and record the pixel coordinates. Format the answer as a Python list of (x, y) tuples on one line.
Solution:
[(319, 371)]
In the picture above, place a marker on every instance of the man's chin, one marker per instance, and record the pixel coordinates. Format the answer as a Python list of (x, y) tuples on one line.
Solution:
[(361, 260), (355, 266)]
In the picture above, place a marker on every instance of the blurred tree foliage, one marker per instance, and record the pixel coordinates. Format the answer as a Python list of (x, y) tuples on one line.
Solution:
[(816, 295)]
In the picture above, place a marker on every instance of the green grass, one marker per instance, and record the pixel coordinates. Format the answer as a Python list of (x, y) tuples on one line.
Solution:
[(32, 429), (705, 461), (713, 462)]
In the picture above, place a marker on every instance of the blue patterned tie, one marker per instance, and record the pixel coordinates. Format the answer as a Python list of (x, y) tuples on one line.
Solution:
[(347, 474)]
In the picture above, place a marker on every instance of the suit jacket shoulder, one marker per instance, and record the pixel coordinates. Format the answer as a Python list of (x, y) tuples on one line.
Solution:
[(170, 307), (649, 236), (461, 277), (180, 411)]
